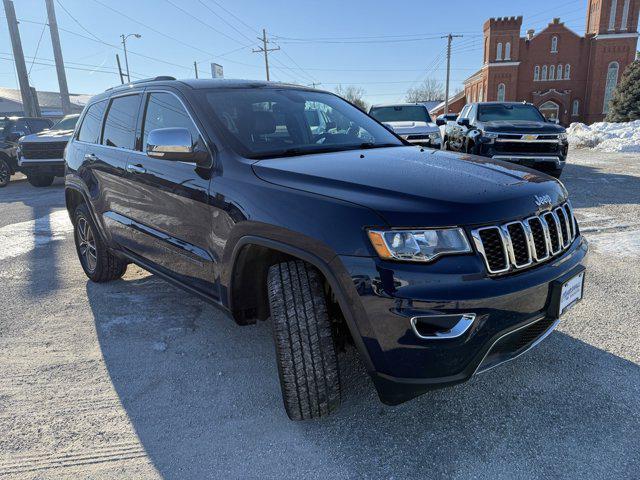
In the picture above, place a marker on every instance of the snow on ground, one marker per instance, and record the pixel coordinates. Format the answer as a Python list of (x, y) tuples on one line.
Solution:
[(606, 137)]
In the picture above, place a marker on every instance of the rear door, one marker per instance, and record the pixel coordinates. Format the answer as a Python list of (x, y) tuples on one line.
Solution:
[(169, 200)]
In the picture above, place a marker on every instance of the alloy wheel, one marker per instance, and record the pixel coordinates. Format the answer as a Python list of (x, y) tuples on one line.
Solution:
[(87, 244)]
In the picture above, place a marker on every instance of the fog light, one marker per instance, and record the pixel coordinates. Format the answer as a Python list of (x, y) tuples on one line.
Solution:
[(442, 327)]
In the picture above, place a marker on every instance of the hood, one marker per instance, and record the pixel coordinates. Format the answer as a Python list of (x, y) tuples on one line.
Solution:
[(410, 187), (405, 128), (48, 136), (522, 127)]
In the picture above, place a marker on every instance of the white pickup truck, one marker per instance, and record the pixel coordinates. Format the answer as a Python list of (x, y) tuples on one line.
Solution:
[(411, 121)]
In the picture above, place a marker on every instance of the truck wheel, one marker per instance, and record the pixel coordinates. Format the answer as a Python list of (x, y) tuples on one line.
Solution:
[(98, 263), (5, 173), (305, 348), (40, 180)]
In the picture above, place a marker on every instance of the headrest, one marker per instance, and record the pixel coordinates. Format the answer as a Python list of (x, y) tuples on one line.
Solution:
[(264, 123)]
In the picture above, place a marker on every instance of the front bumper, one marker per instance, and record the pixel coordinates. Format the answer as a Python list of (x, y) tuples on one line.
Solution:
[(402, 364), (542, 156), (45, 166)]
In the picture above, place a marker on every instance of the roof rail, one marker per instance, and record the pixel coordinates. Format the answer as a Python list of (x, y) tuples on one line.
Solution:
[(144, 80)]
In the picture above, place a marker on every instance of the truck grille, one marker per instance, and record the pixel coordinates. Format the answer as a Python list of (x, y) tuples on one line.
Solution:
[(516, 147), (522, 244), (45, 150)]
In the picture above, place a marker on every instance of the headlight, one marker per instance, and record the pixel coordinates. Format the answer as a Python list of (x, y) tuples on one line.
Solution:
[(562, 136), (418, 245), (490, 135)]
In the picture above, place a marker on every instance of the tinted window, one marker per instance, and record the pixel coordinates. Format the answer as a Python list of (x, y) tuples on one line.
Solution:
[(21, 126), (39, 125), (401, 113), (465, 110), (120, 125), (498, 112), (90, 128), (67, 123), (273, 122), (164, 110)]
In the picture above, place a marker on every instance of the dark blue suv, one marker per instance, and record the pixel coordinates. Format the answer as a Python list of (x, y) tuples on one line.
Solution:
[(435, 265)]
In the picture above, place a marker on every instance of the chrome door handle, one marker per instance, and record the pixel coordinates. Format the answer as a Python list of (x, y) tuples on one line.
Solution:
[(90, 157), (136, 168)]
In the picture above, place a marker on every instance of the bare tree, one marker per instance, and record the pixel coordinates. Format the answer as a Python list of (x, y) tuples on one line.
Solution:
[(353, 94), (430, 90)]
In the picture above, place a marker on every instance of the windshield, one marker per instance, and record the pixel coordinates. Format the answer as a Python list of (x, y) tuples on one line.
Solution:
[(273, 122), (498, 112), (67, 123), (400, 113)]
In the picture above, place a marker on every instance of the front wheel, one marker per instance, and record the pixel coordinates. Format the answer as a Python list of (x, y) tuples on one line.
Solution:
[(305, 348), (38, 180), (5, 173), (98, 263)]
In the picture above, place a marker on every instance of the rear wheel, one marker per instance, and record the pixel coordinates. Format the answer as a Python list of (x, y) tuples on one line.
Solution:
[(305, 348), (5, 173), (98, 263), (39, 180)]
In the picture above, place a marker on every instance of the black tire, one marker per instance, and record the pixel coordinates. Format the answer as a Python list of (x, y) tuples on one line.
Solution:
[(305, 347), (98, 263), (40, 180), (5, 173)]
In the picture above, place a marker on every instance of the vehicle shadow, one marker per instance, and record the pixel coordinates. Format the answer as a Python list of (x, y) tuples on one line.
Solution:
[(204, 399), (590, 186)]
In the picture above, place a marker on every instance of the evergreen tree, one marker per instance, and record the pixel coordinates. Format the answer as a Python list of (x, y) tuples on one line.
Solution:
[(625, 104)]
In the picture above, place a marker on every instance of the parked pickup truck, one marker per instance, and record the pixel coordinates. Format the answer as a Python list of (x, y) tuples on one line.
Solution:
[(411, 121), (514, 132), (434, 265), (11, 130), (41, 155)]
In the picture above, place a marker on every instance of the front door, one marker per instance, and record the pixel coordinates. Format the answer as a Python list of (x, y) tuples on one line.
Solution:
[(169, 208)]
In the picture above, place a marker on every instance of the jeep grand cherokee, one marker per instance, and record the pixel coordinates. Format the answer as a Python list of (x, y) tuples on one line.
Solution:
[(435, 265)]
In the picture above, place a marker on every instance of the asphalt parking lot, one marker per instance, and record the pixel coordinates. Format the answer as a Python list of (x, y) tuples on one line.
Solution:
[(137, 379)]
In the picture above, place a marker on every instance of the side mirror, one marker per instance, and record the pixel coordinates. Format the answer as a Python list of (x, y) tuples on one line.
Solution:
[(171, 144), (463, 122), (440, 122), (554, 120)]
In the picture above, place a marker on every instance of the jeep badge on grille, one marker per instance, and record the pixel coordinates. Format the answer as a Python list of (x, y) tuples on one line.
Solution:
[(543, 200)]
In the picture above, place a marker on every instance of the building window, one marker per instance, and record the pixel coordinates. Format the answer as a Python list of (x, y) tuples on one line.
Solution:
[(544, 73), (501, 92), (536, 73), (612, 16), (550, 110), (481, 96), (625, 15), (567, 72), (552, 72), (554, 44), (575, 111), (612, 81), (559, 77), (499, 52), (507, 51)]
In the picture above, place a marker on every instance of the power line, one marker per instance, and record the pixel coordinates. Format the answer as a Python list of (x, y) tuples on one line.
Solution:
[(44, 27), (225, 21)]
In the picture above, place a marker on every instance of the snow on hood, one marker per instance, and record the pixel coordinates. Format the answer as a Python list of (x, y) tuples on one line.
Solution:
[(605, 136), (48, 136)]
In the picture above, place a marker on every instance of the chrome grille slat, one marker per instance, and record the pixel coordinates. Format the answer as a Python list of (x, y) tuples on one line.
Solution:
[(522, 244)]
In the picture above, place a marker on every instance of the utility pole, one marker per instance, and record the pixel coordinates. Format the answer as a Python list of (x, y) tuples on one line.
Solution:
[(265, 48), (449, 38), (124, 46), (195, 67), (57, 55), (120, 69), (18, 56)]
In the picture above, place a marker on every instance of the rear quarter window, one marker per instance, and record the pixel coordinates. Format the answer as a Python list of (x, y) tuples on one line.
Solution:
[(90, 128)]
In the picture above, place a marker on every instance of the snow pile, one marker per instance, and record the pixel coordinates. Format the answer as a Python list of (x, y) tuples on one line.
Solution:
[(606, 137)]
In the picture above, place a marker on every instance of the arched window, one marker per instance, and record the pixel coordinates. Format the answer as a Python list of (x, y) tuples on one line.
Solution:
[(552, 72), (559, 77), (554, 44), (499, 51), (501, 92), (550, 110), (610, 86), (536, 73), (544, 73), (575, 111), (612, 16), (507, 51), (567, 72), (625, 15)]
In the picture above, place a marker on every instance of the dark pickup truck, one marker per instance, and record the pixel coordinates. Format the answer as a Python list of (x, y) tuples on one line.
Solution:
[(11, 130), (434, 265), (514, 132)]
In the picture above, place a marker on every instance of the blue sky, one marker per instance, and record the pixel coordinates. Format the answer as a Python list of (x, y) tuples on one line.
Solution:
[(382, 46)]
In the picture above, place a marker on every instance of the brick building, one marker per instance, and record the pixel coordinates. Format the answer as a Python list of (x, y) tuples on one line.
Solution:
[(567, 76)]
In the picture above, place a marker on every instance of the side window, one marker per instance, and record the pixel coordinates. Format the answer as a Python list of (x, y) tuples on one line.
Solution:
[(472, 113), (120, 125), (39, 125), (164, 110), (21, 126), (90, 128)]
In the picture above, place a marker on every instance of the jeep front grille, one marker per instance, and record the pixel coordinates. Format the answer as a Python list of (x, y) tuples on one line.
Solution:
[(522, 244)]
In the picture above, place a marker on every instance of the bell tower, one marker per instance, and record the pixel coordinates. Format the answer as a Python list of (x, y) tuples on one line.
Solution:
[(612, 16)]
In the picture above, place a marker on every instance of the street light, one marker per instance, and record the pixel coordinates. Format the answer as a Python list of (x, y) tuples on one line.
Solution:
[(124, 45)]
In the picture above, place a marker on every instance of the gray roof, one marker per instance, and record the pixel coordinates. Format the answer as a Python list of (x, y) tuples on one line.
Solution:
[(46, 99)]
